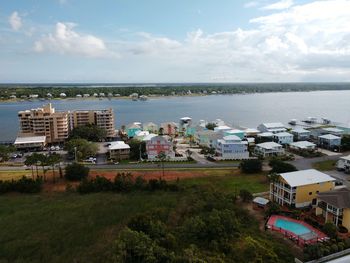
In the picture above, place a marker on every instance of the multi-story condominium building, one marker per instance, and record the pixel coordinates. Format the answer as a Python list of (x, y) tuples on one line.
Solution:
[(300, 188), (232, 147), (334, 206), (101, 118), (159, 144), (44, 122), (55, 126)]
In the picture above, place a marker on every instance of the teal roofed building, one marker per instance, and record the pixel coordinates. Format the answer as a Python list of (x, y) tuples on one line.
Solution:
[(132, 129)]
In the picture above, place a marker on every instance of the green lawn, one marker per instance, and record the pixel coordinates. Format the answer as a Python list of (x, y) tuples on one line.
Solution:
[(324, 165), (69, 227), (231, 183)]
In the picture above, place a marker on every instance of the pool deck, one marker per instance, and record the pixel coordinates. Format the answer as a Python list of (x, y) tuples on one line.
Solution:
[(300, 239)]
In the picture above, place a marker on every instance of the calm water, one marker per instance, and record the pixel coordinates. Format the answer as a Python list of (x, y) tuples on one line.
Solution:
[(245, 110)]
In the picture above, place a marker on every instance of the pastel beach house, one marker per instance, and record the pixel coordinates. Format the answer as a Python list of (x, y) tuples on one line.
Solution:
[(160, 144), (334, 206), (132, 129), (266, 149), (232, 148), (274, 127), (283, 137), (300, 188), (118, 151)]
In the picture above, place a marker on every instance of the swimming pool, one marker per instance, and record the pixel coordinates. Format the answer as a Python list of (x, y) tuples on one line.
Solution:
[(297, 230), (291, 226)]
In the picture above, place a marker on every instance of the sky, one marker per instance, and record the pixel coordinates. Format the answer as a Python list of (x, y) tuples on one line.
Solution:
[(158, 41)]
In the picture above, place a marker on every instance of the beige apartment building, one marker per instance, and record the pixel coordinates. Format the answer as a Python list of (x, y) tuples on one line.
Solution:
[(56, 126), (101, 118), (44, 122)]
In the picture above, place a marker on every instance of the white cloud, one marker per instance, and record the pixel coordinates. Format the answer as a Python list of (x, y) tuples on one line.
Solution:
[(65, 40), (280, 5), (304, 42), (251, 4), (15, 21)]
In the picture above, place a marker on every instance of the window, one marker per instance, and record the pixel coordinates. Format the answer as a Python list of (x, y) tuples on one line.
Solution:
[(310, 193)]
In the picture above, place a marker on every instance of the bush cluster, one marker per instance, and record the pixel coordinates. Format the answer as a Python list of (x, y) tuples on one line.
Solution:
[(124, 183), (206, 227), (23, 185), (279, 166), (319, 250), (251, 166)]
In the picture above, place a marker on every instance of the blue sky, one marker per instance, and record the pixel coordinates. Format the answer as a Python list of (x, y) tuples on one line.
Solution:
[(174, 41)]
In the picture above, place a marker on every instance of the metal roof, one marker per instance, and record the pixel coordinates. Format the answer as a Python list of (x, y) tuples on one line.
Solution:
[(268, 145), (329, 137), (306, 177), (118, 145), (31, 139)]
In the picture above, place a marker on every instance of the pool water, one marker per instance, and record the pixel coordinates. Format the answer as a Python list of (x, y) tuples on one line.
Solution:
[(294, 227)]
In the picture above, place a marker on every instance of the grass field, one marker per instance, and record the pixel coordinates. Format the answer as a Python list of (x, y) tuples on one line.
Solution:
[(324, 165), (9, 175), (68, 227), (229, 183)]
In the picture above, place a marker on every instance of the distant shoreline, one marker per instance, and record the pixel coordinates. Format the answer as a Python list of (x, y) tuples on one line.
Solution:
[(19, 92)]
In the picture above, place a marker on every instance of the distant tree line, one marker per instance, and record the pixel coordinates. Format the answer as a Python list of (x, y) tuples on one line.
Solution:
[(167, 89)]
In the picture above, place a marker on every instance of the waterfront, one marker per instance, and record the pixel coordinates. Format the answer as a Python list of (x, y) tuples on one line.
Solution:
[(239, 110)]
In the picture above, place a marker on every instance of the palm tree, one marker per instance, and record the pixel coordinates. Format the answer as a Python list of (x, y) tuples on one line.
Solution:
[(273, 178), (188, 154), (44, 161), (54, 159), (162, 157), (30, 161)]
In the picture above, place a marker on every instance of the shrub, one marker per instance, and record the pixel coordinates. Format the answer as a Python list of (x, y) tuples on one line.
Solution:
[(334, 248), (245, 195), (251, 166), (330, 230), (23, 185), (281, 167), (76, 172), (341, 246)]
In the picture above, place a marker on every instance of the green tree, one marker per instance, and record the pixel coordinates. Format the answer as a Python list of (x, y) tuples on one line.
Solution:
[(210, 126), (88, 132), (345, 142), (330, 229), (31, 161), (137, 149), (43, 161), (189, 154), (251, 166), (273, 178), (76, 172), (245, 195), (5, 152), (162, 158), (133, 246), (279, 166), (53, 160), (83, 148)]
